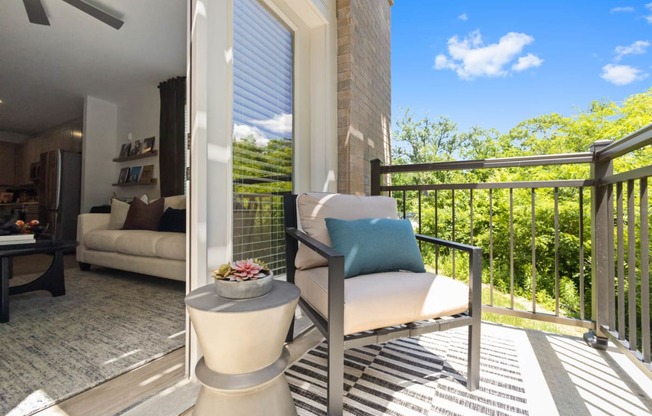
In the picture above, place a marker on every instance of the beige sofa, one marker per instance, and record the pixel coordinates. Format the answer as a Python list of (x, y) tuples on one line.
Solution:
[(155, 253)]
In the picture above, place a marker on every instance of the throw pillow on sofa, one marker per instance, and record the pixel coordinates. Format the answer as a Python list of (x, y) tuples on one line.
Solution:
[(173, 220), (142, 216), (119, 210)]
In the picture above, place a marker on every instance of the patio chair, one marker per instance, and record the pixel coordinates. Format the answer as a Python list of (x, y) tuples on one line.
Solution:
[(333, 260)]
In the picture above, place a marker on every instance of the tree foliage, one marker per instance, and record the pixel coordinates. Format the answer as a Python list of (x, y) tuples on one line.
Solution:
[(447, 213)]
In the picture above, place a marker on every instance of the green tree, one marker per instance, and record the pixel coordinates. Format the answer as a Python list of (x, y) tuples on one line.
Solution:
[(427, 141)]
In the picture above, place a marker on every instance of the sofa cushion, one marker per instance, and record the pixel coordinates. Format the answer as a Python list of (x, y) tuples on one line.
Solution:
[(171, 246), (176, 201), (313, 208), (142, 216), (101, 240), (143, 243), (138, 242), (378, 300), (374, 245)]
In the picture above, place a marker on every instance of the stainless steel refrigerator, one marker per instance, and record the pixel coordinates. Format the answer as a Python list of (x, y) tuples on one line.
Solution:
[(59, 193)]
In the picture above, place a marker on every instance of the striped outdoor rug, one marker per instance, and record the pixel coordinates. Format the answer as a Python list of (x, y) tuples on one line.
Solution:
[(418, 376)]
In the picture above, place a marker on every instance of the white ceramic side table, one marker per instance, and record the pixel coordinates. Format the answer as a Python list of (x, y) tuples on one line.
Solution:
[(242, 371)]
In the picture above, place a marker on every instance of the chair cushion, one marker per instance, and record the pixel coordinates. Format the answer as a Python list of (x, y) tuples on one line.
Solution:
[(374, 245), (314, 208), (378, 300)]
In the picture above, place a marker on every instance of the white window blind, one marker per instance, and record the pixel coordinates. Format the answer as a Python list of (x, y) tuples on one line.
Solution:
[(262, 132)]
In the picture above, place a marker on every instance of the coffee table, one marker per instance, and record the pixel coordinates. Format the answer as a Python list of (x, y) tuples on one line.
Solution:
[(52, 280)]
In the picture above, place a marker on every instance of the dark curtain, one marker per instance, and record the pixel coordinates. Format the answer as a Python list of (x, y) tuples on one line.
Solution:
[(171, 145)]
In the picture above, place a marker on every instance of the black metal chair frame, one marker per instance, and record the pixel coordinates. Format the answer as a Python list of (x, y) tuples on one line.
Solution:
[(332, 328)]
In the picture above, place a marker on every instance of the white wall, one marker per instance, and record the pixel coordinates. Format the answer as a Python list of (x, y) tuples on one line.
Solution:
[(139, 116), (98, 147), (106, 127)]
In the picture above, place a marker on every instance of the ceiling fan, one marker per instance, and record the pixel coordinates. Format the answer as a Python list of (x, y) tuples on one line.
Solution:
[(36, 13)]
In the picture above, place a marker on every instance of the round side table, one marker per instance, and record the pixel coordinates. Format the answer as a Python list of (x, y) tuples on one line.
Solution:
[(242, 371)]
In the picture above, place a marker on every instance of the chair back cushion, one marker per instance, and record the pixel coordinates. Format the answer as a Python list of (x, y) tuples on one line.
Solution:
[(314, 208), (374, 245)]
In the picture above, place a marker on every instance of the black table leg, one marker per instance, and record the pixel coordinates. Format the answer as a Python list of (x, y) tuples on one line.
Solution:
[(52, 280), (4, 297)]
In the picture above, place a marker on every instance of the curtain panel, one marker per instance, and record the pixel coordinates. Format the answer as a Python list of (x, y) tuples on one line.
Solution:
[(172, 131)]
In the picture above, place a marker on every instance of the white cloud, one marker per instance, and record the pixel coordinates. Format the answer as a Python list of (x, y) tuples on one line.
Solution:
[(463, 17), (637, 48), (621, 74), (280, 123), (649, 18), (242, 131), (622, 9), (471, 58), (527, 61)]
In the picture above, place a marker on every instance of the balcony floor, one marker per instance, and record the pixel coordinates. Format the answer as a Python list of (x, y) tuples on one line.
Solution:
[(560, 375)]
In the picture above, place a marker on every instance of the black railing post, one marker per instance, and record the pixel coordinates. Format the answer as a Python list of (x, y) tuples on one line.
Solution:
[(601, 230), (375, 177)]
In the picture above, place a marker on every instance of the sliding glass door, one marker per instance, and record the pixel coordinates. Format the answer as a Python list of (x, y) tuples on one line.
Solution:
[(262, 132)]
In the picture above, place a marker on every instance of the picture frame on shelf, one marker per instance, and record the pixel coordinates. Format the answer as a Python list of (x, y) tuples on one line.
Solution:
[(125, 150), (124, 175), (134, 174), (136, 148), (146, 174), (148, 144)]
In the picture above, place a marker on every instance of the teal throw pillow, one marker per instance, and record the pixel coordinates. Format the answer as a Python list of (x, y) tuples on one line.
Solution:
[(374, 245)]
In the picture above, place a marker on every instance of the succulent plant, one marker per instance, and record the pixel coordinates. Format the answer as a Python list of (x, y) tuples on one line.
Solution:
[(246, 269)]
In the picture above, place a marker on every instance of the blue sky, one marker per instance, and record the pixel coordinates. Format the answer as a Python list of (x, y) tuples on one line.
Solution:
[(496, 63)]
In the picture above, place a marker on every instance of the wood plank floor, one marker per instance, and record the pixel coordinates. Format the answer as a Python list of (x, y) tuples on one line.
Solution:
[(125, 391)]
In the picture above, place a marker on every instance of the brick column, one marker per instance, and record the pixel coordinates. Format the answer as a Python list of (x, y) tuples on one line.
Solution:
[(363, 90)]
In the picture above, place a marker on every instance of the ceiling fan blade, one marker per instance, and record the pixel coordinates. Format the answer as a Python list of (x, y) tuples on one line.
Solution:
[(96, 13), (36, 12)]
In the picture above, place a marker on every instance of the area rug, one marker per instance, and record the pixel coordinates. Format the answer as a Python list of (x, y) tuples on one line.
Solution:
[(106, 324), (426, 376)]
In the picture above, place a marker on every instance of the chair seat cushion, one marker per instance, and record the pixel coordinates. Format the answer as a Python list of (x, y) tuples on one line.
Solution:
[(379, 300)]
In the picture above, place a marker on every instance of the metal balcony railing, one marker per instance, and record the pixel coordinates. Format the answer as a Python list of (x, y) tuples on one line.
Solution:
[(609, 264)]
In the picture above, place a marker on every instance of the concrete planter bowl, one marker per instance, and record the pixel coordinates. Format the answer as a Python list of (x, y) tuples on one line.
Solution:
[(246, 289)]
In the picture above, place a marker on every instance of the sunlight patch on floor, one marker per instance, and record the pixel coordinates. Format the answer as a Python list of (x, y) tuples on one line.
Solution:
[(178, 334), (37, 396), (125, 355), (161, 374), (603, 391)]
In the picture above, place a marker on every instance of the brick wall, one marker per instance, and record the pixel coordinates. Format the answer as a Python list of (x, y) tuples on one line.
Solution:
[(363, 90)]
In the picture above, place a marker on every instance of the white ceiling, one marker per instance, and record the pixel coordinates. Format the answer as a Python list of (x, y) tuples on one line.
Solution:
[(45, 71)]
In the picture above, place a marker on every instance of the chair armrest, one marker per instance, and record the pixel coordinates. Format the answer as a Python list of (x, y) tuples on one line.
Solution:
[(475, 271), (315, 245), (447, 243), (333, 329)]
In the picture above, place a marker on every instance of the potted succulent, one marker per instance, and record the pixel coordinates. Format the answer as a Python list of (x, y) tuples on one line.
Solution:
[(243, 279)]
